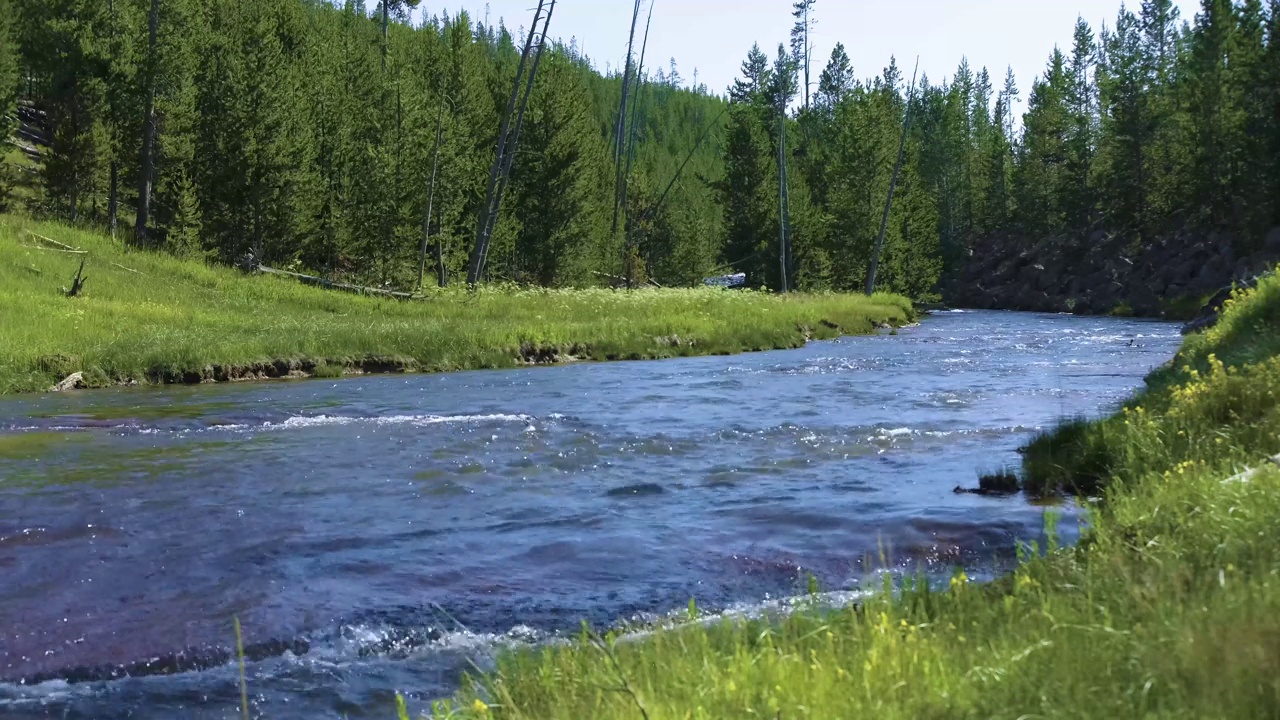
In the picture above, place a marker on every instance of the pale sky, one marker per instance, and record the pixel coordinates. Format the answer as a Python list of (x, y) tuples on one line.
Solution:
[(715, 35)]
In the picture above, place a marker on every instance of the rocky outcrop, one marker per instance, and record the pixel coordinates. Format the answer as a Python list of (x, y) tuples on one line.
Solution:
[(1107, 273)]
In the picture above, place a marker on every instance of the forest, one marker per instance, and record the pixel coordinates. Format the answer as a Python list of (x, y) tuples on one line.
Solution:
[(351, 143)]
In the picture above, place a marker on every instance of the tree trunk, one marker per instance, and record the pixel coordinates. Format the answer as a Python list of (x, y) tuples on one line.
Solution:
[(486, 212), (113, 198), (782, 195), (631, 141), (893, 184), (385, 25), (499, 174), (431, 196), (505, 176), (620, 128), (148, 130)]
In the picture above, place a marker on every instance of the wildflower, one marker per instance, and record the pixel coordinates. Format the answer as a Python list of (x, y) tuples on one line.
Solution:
[(479, 707), (959, 579)]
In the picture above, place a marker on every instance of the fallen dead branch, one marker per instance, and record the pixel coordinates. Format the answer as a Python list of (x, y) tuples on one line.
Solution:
[(51, 241), (52, 249), (335, 285), (128, 268)]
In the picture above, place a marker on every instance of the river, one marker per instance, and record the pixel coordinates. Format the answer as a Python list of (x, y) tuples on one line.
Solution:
[(377, 534)]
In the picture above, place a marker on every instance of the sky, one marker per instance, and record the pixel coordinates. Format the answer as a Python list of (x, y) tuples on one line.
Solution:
[(714, 36)]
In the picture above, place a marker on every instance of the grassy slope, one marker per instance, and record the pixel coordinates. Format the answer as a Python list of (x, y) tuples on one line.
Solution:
[(178, 318), (1169, 608)]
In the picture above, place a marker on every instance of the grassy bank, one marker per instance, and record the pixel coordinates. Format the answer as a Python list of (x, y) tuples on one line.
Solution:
[(1169, 608), (149, 317)]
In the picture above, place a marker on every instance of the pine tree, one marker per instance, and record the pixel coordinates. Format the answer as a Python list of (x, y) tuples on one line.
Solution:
[(1156, 108), (1041, 174), (1126, 126), (1214, 111), (836, 80), (984, 136), (747, 191), (1080, 141), (1250, 88), (9, 67), (66, 57)]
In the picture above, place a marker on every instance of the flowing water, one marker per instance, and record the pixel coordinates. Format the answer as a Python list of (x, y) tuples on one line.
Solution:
[(379, 534)]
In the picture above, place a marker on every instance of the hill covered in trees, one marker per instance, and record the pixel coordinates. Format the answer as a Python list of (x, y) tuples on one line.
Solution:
[(306, 132)]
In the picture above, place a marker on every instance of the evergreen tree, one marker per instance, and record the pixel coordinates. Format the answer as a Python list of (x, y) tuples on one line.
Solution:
[(836, 80), (1213, 105), (1042, 171), (1126, 125), (1080, 140), (9, 68), (748, 191)]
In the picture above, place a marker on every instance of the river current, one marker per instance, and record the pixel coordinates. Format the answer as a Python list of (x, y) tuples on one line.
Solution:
[(379, 534)]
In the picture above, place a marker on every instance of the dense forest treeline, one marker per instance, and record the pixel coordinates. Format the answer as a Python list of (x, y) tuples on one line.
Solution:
[(306, 132)]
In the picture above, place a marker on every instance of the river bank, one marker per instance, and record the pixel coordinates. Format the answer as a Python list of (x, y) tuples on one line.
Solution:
[(1168, 607), (149, 318), (1097, 272)]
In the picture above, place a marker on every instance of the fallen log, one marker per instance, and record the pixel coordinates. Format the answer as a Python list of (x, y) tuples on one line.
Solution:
[(334, 284), (128, 268), (51, 241), (52, 249)]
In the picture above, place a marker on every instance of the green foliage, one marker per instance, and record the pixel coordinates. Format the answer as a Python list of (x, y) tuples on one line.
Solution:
[(9, 68)]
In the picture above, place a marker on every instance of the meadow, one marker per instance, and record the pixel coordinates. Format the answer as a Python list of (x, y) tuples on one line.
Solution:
[(148, 317), (1169, 607)]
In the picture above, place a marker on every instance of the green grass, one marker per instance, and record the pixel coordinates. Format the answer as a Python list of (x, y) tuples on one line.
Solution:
[(1168, 608), (186, 321)]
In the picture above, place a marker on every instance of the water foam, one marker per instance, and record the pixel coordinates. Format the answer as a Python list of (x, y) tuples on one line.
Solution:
[(302, 422)]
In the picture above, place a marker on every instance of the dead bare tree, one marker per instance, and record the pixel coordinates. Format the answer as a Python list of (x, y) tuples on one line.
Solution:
[(783, 207), (431, 196), (893, 183), (620, 126), (148, 129), (508, 138), (631, 140)]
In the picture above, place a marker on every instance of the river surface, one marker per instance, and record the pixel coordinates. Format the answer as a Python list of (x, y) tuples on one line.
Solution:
[(378, 534)]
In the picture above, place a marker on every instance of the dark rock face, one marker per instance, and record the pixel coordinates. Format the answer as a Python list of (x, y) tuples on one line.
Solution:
[(1100, 272)]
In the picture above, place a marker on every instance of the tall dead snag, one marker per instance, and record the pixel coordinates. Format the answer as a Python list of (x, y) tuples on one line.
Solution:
[(893, 184), (148, 129), (506, 149), (620, 127), (431, 196), (630, 251), (784, 219)]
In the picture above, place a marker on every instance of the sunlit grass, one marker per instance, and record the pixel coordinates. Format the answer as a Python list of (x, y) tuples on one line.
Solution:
[(165, 318), (1168, 608)]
